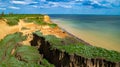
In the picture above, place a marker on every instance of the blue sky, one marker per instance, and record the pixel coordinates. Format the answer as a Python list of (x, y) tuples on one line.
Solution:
[(105, 7)]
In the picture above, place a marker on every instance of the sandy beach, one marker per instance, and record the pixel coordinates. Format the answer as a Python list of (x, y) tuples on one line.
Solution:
[(92, 39)]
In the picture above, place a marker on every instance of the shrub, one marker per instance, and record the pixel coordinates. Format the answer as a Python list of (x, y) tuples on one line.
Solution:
[(12, 21), (52, 25)]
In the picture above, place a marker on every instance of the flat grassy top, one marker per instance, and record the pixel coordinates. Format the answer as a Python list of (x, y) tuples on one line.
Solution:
[(24, 56), (14, 19), (36, 18), (71, 46), (40, 21)]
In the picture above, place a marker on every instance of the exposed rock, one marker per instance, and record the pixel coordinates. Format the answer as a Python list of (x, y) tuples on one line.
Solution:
[(63, 59), (47, 19)]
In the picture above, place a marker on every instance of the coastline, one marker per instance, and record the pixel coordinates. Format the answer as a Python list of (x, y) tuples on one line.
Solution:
[(72, 35), (81, 36)]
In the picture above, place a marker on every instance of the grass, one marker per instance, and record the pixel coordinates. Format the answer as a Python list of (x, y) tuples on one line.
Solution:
[(24, 56), (14, 19), (36, 18), (52, 25), (90, 52), (21, 16), (73, 47), (39, 20), (45, 63), (28, 54)]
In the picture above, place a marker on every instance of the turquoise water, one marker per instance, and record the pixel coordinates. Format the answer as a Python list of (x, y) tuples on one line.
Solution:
[(101, 31)]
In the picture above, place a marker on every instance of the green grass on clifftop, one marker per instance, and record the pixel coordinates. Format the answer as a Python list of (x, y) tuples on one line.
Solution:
[(14, 18), (71, 46)]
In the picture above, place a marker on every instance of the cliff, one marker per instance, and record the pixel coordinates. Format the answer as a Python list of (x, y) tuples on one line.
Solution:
[(47, 19), (48, 42), (63, 59)]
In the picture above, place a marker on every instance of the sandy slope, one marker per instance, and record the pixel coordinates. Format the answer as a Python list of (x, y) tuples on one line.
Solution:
[(30, 27)]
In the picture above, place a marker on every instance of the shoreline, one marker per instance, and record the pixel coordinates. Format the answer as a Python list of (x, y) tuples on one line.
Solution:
[(84, 39), (72, 35)]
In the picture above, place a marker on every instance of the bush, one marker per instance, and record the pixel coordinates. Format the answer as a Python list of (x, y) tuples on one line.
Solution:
[(52, 25), (12, 20)]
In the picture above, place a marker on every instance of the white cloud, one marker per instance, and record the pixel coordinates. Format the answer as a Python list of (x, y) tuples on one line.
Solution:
[(115, 2), (60, 4), (2, 8), (35, 6), (66, 6), (12, 7), (42, 6), (96, 2), (54, 4), (42, 0), (20, 2), (25, 2)]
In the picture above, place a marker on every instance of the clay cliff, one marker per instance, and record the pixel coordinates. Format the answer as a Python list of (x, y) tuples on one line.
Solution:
[(63, 59)]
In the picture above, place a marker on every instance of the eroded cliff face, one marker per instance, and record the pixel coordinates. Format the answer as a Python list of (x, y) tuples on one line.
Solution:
[(47, 19), (63, 59)]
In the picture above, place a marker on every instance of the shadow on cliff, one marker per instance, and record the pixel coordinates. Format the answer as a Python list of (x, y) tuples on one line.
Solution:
[(63, 59)]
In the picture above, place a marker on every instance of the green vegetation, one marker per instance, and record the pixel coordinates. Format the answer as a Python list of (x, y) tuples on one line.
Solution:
[(24, 28), (45, 63), (8, 43), (28, 54), (90, 52), (71, 46), (37, 20), (2, 14), (21, 16), (13, 19), (58, 41), (52, 25), (24, 56)]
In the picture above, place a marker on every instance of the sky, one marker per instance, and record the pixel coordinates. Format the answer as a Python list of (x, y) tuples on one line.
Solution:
[(100, 7)]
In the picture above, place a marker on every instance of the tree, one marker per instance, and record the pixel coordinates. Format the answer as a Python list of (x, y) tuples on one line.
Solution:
[(10, 13), (2, 14)]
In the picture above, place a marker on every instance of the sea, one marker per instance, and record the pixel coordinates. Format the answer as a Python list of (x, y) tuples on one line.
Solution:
[(98, 30)]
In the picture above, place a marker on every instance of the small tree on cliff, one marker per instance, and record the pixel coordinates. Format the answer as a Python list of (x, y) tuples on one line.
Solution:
[(10, 13), (2, 14)]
